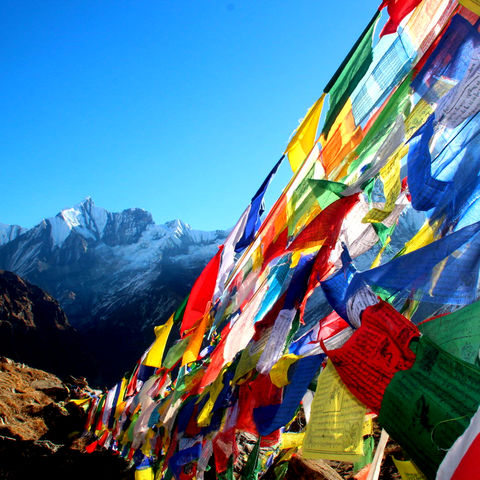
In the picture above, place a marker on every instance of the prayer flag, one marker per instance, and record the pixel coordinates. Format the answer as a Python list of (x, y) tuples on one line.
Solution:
[(255, 211), (355, 66), (201, 294), (155, 353), (397, 9), (335, 428), (304, 138)]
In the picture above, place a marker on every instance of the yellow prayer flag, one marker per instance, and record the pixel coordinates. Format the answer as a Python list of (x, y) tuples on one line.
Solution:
[(279, 372), (422, 238), (437, 272), (81, 402), (248, 360), (257, 258), (367, 428), (336, 422), (193, 378), (390, 175), (338, 149), (121, 404), (423, 109), (378, 258), (214, 389), (408, 470), (144, 474), (304, 138), (147, 446), (291, 440), (155, 354), (473, 5)]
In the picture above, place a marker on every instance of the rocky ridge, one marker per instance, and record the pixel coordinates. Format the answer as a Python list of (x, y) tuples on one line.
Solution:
[(34, 329), (41, 429)]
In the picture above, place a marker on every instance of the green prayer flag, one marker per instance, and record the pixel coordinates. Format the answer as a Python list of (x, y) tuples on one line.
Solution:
[(293, 330), (326, 191), (175, 353), (228, 473), (178, 315), (168, 475), (308, 193), (250, 470), (368, 188), (355, 67), (458, 333), (302, 201), (425, 409), (98, 411), (368, 448), (281, 470), (383, 231), (399, 103)]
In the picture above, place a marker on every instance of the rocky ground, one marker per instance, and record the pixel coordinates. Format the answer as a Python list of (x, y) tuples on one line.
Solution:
[(40, 430)]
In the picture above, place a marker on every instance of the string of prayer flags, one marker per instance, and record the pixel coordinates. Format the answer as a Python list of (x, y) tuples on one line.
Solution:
[(360, 284)]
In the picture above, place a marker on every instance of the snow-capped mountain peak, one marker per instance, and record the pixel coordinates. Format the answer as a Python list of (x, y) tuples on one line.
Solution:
[(85, 218), (111, 271), (177, 226), (123, 248), (94, 223)]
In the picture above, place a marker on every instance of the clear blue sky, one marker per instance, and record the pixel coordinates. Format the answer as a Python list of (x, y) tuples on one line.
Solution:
[(180, 107)]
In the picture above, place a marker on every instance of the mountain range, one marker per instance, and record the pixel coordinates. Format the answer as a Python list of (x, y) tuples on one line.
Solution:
[(115, 274)]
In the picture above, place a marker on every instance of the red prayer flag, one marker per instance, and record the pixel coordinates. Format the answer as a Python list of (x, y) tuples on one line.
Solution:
[(216, 360), (331, 325), (224, 445), (259, 392), (469, 463), (90, 448), (398, 10), (325, 227), (275, 248), (201, 293), (375, 352)]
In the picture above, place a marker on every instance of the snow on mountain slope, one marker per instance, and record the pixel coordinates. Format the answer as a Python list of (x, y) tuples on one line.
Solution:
[(116, 274), (9, 232), (134, 241)]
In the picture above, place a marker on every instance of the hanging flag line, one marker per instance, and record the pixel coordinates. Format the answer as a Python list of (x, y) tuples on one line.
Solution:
[(328, 308)]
